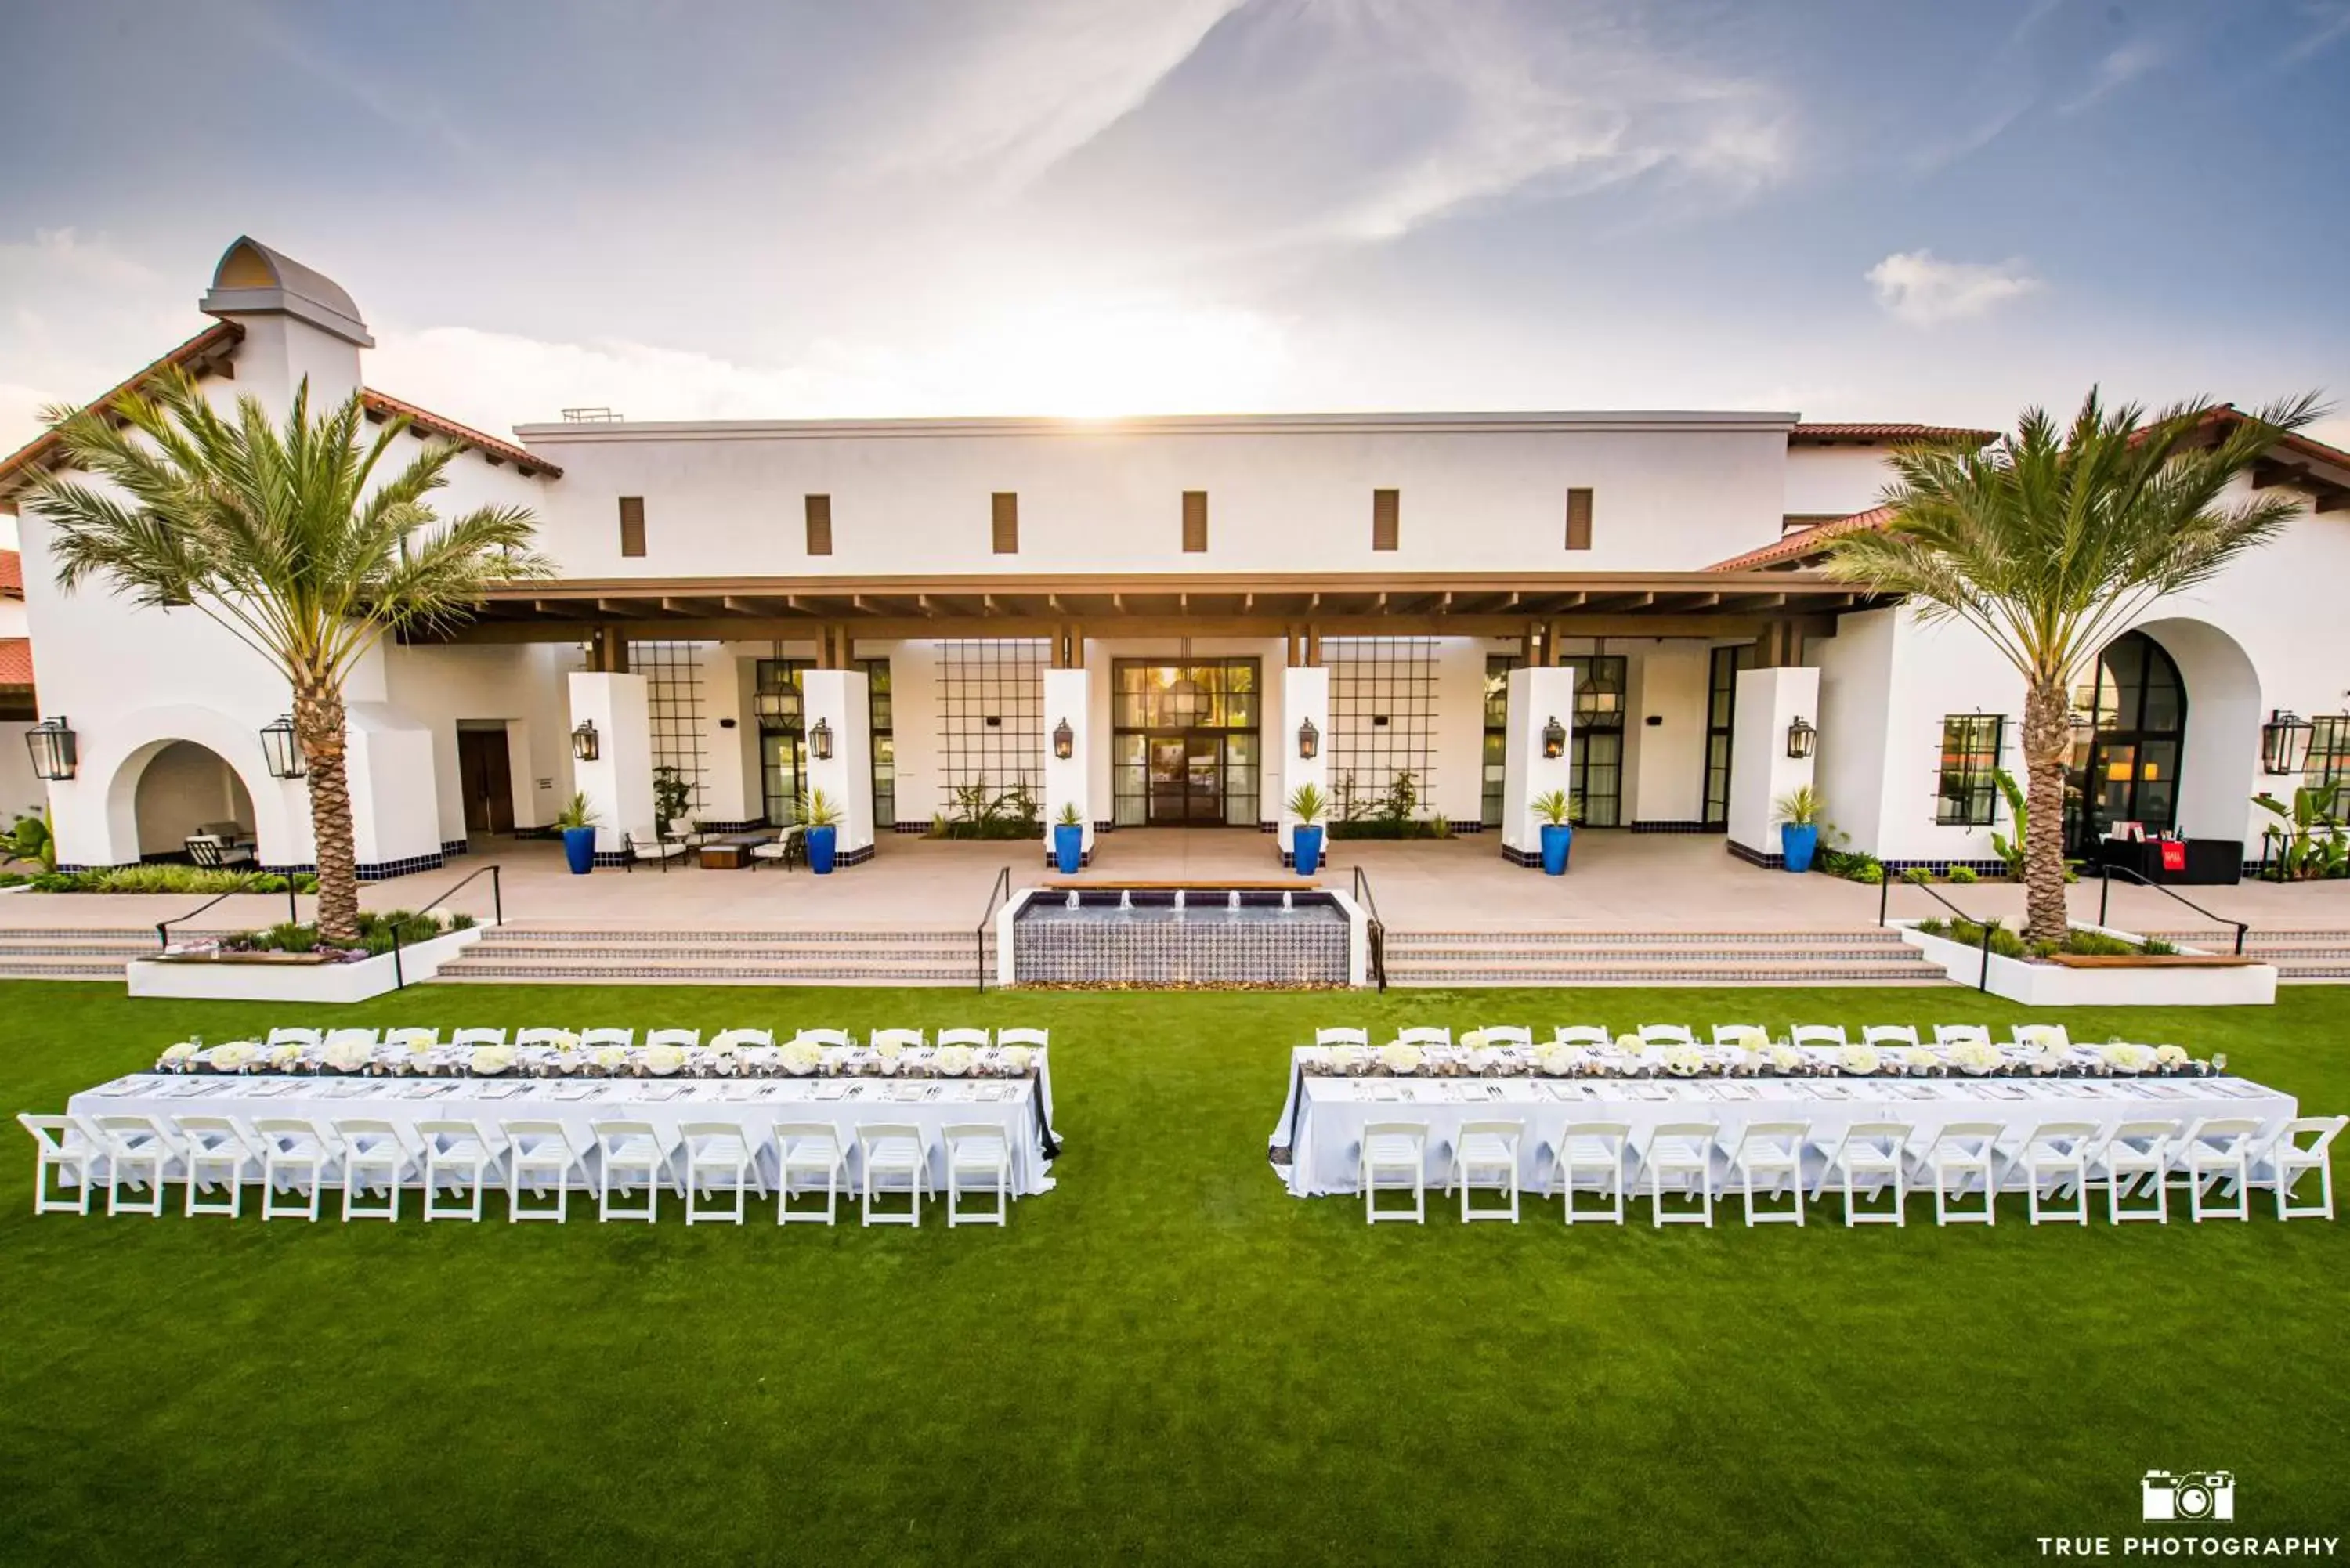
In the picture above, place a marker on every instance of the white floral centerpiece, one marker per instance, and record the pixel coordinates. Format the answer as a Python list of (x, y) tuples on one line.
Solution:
[(489, 1061), (1860, 1061), (2126, 1058), (1400, 1059), (1784, 1057), (1976, 1058), (177, 1058), (1920, 1060), (952, 1061), (1018, 1058), (2172, 1058), (233, 1057), (1685, 1060), (800, 1057), (1558, 1061)]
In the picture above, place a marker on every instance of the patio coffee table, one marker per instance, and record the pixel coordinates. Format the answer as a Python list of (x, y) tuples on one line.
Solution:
[(733, 852)]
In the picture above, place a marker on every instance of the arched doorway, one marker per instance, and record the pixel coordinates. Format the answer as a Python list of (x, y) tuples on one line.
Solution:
[(2127, 756), (184, 789)]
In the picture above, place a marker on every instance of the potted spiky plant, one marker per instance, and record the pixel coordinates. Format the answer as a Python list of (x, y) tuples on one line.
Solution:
[(1307, 804), (1558, 813), (1798, 814), (1069, 839), (579, 825), (822, 821)]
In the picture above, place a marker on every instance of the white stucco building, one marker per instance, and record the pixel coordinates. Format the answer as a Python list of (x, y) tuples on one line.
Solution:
[(911, 615)]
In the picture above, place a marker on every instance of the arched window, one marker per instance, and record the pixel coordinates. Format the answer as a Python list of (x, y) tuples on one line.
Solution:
[(2126, 762)]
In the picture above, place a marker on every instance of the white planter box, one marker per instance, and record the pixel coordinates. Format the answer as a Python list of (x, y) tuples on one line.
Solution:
[(2056, 985), (296, 983)]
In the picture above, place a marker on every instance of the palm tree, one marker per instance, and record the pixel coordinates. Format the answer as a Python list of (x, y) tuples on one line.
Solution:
[(285, 536), (2049, 542)]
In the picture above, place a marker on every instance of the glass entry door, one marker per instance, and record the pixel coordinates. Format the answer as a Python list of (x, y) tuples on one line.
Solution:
[(1187, 779)]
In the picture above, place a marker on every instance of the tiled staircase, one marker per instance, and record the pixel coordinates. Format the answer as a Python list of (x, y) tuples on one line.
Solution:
[(526, 954), (2321, 956), (1865, 956), (32, 953)]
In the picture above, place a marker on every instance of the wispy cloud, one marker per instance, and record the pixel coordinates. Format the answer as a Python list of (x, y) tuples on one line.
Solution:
[(1919, 287), (2118, 69), (2329, 24)]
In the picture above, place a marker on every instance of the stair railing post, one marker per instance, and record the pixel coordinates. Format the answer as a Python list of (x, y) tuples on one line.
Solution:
[(1983, 982), (2105, 890)]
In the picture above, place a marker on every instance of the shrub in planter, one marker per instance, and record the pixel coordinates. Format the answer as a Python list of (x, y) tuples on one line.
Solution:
[(1798, 813), (1558, 814), (577, 825), (1961, 875), (1306, 804)]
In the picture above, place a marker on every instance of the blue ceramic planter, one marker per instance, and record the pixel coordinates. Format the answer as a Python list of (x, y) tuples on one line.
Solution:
[(1557, 838), (1796, 843), (821, 842), (1305, 849), (580, 849), (1069, 848)]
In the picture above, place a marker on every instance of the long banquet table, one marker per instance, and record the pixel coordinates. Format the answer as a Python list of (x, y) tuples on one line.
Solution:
[(1320, 1129), (753, 1104)]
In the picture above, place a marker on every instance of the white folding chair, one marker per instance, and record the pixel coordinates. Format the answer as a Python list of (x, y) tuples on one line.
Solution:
[(530, 1038), (374, 1155), (1034, 1039), (805, 1150), (598, 1039), (1424, 1034), (718, 1154), (1680, 1152), (308, 1038), (2216, 1153), (1962, 1153), (1582, 1035), (2040, 1036), (681, 1039), (2133, 1153), (355, 1039), (628, 1156), (1592, 1148), (459, 1156), (295, 1157), (1342, 1036), (2055, 1160), (140, 1152), (978, 1159), (1667, 1034), (971, 1039), (895, 1159), (1962, 1035), (412, 1039), (1890, 1034), (1394, 1157), (743, 1038), (470, 1037), (538, 1157), (1485, 1154), (1773, 1154), (841, 1039), (217, 1153), (2289, 1159), (1871, 1154), (64, 1147), (903, 1039), (1498, 1035), (1828, 1036), (1746, 1036)]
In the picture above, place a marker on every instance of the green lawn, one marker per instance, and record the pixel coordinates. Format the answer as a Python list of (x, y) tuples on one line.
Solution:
[(1167, 1359)]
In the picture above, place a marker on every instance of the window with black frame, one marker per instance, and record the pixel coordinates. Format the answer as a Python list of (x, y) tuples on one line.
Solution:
[(1595, 743), (783, 739), (1966, 791), (1184, 747), (1497, 731), (2328, 766)]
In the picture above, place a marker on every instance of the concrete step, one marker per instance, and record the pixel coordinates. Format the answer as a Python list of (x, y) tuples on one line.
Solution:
[(815, 972), (14, 968), (1598, 974), (539, 955)]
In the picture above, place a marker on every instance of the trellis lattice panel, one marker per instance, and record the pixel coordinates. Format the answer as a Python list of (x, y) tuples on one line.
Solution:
[(672, 672), (1382, 718), (990, 717)]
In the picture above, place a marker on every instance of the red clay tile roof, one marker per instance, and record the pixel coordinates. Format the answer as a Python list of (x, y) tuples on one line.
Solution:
[(12, 574), (15, 662), (1808, 434), (1803, 542), (213, 345), (383, 405)]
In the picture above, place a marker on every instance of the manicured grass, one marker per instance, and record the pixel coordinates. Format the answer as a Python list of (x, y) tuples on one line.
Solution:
[(1166, 1359)]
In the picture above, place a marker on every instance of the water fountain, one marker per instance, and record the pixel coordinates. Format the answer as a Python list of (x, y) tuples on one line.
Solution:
[(1072, 900), (1232, 900), (1150, 934)]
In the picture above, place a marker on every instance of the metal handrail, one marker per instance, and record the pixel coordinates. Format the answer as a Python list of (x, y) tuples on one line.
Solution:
[(2106, 891), (1885, 894), (163, 928), (1000, 888), (497, 916), (1375, 930)]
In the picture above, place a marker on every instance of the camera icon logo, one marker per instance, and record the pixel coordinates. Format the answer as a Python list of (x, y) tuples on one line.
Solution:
[(2202, 1495)]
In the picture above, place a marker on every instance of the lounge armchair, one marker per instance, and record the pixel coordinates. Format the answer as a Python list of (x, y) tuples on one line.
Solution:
[(215, 854), (657, 846), (789, 847)]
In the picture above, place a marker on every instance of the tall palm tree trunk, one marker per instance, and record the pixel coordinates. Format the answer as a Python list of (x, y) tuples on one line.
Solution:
[(2047, 747), (319, 725)]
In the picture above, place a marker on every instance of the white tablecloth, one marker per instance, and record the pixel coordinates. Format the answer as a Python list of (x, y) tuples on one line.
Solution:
[(754, 1104), (1322, 1126)]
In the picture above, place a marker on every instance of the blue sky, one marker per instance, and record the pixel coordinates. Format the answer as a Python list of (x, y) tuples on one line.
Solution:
[(1852, 208)]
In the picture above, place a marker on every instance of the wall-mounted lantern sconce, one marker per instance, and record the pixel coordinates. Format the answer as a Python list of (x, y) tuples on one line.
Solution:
[(820, 742), (54, 753), (1309, 740), (1801, 737), (281, 750), (1553, 738), (2284, 741), (1065, 741), (582, 742)]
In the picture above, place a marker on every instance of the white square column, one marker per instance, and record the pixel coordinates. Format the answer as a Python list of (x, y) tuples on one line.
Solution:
[(618, 784), (1069, 700), (841, 701), (1538, 697), (1761, 770), (1305, 696)]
